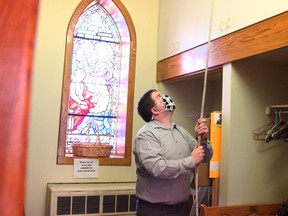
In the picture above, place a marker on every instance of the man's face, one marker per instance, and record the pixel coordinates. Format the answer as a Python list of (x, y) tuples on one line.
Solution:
[(157, 96)]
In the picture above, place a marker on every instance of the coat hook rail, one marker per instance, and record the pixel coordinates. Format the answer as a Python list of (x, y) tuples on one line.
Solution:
[(282, 108)]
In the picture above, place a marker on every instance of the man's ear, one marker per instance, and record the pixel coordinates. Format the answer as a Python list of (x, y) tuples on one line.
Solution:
[(154, 110)]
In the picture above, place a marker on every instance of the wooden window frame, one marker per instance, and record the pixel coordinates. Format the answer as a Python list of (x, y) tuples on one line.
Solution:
[(61, 158)]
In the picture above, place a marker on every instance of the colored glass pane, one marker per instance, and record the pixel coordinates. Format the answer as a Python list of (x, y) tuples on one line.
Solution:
[(94, 106)]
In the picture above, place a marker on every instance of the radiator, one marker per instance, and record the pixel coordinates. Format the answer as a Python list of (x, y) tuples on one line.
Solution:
[(91, 199)]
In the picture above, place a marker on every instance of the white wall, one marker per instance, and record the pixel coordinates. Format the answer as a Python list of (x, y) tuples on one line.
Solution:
[(53, 20), (252, 171)]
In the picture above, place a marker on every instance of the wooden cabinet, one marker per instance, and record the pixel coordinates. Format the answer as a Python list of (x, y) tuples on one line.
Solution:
[(184, 24), (230, 16), (264, 36)]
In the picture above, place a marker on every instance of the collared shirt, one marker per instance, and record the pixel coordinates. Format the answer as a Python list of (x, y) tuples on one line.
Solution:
[(164, 163)]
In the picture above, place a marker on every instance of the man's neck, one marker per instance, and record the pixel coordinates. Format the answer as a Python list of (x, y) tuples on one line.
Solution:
[(167, 123), (166, 120)]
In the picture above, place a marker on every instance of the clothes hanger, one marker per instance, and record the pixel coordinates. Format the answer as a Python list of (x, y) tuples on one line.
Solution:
[(261, 132), (278, 127), (281, 131)]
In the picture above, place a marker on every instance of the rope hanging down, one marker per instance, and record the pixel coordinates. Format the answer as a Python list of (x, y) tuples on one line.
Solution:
[(203, 105)]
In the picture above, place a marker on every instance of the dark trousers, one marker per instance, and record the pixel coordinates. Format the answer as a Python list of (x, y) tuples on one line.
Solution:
[(144, 208)]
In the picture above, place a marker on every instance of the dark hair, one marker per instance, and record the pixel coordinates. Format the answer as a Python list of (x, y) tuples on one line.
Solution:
[(145, 104)]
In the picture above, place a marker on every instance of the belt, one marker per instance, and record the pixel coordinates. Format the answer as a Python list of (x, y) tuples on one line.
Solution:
[(161, 205)]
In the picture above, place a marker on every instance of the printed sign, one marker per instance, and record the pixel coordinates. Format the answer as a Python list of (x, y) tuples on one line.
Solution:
[(86, 168)]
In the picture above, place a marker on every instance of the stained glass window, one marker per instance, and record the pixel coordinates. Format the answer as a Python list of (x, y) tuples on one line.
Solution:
[(99, 76), (94, 88)]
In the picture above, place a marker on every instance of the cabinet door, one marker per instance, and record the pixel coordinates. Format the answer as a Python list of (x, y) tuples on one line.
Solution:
[(183, 24), (230, 16)]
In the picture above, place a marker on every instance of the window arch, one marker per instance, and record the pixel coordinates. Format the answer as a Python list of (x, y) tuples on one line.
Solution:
[(98, 81)]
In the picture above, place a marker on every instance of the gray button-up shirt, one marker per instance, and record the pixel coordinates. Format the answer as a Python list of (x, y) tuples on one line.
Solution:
[(164, 163)]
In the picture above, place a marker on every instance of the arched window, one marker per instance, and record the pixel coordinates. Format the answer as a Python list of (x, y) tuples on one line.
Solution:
[(98, 81)]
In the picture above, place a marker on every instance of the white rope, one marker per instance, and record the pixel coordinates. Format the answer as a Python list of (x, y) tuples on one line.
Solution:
[(207, 60), (203, 102)]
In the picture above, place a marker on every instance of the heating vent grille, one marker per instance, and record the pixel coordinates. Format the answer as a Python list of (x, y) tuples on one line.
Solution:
[(91, 199)]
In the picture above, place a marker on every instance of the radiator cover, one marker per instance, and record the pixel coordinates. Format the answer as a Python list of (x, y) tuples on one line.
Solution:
[(91, 199)]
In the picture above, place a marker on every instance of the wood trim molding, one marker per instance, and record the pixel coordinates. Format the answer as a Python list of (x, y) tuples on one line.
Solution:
[(267, 35)]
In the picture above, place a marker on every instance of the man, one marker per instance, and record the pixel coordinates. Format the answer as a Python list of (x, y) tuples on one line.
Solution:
[(166, 156)]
